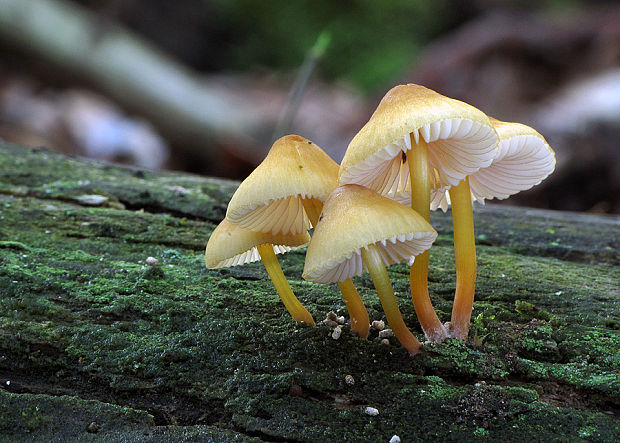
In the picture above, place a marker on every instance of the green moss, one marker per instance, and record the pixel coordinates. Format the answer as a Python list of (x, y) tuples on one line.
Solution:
[(215, 352)]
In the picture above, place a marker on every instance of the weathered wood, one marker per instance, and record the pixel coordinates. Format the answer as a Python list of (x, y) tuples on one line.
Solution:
[(96, 344)]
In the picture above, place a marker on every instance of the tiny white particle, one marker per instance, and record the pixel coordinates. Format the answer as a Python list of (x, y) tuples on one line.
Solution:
[(558, 293), (385, 333), (348, 379), (152, 261), (384, 341), (395, 439), (340, 320), (371, 411), (48, 232), (14, 281), (8, 382), (337, 332)]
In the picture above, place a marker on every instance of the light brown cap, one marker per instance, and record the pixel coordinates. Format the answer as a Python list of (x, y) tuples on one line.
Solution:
[(523, 160), (354, 217), (230, 245), (460, 137), (269, 200)]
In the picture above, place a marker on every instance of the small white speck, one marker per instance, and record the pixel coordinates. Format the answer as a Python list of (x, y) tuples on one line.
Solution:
[(395, 439), (152, 261), (558, 293), (385, 341), (371, 411), (502, 275), (48, 232), (14, 281), (8, 382), (385, 333), (337, 332), (378, 325), (348, 379), (340, 320), (171, 266)]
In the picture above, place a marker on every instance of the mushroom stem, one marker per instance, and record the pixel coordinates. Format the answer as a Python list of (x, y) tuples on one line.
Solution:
[(419, 173), (378, 273), (465, 259), (360, 322), (274, 270)]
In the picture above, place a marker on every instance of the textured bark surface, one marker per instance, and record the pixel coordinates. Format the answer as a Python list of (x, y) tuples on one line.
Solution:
[(96, 344)]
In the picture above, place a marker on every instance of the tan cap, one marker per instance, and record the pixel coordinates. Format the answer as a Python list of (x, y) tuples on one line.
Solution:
[(460, 137), (269, 200), (230, 245), (353, 218), (523, 160)]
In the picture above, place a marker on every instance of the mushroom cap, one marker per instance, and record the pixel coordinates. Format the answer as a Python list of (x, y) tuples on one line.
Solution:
[(460, 137), (523, 160), (269, 199), (354, 217), (230, 245)]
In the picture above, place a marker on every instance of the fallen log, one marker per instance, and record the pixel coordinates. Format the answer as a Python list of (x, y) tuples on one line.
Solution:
[(97, 341)]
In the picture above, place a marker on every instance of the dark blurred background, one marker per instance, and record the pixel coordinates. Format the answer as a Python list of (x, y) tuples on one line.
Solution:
[(206, 85)]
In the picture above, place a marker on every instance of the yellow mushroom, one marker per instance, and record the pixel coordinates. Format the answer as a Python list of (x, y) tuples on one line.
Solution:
[(230, 245), (361, 230), (285, 194), (420, 139), (523, 160)]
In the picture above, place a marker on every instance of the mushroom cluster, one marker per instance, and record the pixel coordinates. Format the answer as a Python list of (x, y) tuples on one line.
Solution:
[(419, 151)]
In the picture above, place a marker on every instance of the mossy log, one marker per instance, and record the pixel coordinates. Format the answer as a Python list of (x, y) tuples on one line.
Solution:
[(96, 344)]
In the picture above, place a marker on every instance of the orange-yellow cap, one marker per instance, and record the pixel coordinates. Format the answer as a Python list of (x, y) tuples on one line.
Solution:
[(230, 245), (354, 217), (269, 200)]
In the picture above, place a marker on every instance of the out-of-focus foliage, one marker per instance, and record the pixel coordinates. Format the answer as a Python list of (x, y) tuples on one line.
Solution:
[(372, 41)]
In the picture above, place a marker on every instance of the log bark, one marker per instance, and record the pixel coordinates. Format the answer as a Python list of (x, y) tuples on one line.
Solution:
[(97, 344)]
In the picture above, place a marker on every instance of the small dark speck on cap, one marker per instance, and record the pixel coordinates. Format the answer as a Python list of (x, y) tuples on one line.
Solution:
[(301, 166)]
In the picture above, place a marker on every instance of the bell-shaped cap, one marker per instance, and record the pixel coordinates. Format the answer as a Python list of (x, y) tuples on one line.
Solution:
[(523, 160), (354, 217), (460, 138), (269, 200), (230, 245)]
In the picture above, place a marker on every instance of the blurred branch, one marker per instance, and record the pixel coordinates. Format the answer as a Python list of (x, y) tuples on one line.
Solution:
[(128, 69), (297, 91)]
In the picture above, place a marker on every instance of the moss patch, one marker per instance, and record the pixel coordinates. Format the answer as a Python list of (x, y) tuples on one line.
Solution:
[(87, 329)]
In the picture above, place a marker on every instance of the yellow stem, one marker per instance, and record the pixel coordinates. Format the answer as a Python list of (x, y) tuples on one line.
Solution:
[(274, 270), (376, 268), (419, 171), (313, 208), (465, 258), (360, 322)]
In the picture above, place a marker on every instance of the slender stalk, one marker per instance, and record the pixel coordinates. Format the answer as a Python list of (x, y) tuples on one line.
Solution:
[(419, 173), (376, 268), (360, 322), (274, 270), (465, 258)]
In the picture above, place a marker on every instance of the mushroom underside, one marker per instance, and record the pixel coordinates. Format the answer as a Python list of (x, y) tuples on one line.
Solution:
[(457, 148), (401, 247), (283, 215)]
